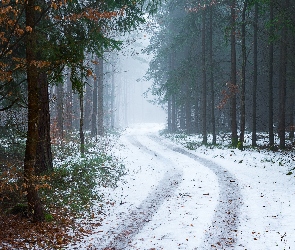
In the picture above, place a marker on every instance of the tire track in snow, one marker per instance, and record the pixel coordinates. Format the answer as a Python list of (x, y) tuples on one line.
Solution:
[(139, 217), (222, 234)]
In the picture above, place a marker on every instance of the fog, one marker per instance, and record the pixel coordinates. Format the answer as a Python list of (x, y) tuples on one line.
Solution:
[(132, 105)]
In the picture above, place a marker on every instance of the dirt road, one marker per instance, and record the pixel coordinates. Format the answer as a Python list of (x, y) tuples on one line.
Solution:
[(219, 233)]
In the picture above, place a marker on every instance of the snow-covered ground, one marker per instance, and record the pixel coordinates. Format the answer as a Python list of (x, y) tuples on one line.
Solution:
[(175, 198)]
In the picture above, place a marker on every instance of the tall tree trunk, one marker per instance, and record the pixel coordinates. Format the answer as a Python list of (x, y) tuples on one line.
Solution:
[(34, 201), (243, 87), (69, 103), (254, 92), (282, 81), (81, 131), (204, 80), (88, 105), (173, 116), (212, 76), (94, 103), (113, 98), (76, 111), (188, 114), (233, 81), (100, 87), (291, 110), (169, 114), (270, 77), (59, 107), (126, 105), (44, 155), (182, 118)]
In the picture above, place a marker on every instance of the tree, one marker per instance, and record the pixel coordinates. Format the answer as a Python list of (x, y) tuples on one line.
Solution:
[(243, 79), (34, 202), (270, 74), (39, 39), (44, 158), (233, 76), (254, 93), (212, 75), (100, 87), (94, 102), (283, 78), (204, 80)]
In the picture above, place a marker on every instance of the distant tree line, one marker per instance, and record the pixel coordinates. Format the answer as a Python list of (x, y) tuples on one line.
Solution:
[(226, 66), (53, 66)]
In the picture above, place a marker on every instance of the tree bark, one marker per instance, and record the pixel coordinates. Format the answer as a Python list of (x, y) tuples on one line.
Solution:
[(254, 92), (270, 77), (233, 81), (94, 104), (100, 87), (69, 103), (113, 97), (212, 76), (188, 114), (59, 107), (173, 115), (243, 87), (88, 105), (204, 80), (169, 114), (81, 131), (34, 201), (282, 82), (44, 154)]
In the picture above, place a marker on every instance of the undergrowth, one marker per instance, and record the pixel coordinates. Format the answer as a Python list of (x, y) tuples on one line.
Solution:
[(67, 193)]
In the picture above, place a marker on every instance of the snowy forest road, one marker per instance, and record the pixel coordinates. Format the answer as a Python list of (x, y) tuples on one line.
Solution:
[(138, 217), (174, 206), (223, 231), (209, 198)]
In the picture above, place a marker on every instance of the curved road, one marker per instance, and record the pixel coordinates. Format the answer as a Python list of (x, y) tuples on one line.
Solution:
[(222, 232)]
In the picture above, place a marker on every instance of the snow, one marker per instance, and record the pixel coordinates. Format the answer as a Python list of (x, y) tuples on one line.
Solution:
[(170, 200)]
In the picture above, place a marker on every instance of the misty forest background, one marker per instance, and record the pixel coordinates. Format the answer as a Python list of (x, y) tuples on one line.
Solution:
[(217, 67)]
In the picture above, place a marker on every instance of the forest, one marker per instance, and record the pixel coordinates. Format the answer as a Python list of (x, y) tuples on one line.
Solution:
[(57, 64), (217, 67), (226, 66)]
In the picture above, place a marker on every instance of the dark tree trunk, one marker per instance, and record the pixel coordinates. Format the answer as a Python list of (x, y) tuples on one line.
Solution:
[(112, 113), (182, 118), (169, 114), (243, 87), (100, 87), (44, 154), (34, 201), (188, 120), (291, 110), (173, 115), (204, 81), (282, 82), (94, 104), (88, 105), (212, 76), (76, 111), (81, 131), (270, 78), (69, 104), (59, 107), (233, 81), (254, 92)]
